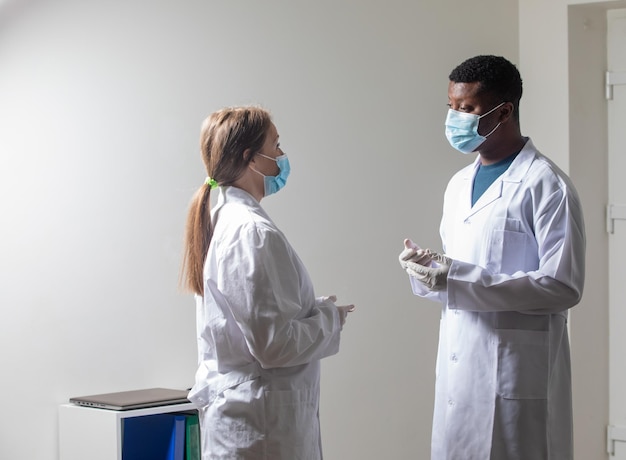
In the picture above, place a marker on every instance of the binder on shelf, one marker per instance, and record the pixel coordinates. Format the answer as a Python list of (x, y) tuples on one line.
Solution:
[(192, 437), (147, 437), (176, 450)]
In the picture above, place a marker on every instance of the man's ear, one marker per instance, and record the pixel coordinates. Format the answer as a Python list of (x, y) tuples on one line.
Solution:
[(506, 112)]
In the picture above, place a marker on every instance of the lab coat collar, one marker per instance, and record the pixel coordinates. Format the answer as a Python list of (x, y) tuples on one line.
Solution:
[(231, 194), (514, 174), (518, 168)]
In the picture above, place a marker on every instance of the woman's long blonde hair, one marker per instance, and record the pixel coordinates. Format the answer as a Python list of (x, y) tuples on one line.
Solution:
[(228, 140)]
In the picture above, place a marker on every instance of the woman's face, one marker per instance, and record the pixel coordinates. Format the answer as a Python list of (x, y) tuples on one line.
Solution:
[(271, 148)]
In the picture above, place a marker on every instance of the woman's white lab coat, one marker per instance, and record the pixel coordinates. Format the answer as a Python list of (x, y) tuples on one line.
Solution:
[(503, 389), (261, 334)]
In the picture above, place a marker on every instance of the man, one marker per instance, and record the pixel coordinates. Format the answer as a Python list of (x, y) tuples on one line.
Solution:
[(513, 236)]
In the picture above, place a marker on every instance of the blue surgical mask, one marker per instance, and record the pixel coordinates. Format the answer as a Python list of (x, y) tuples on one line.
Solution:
[(462, 130), (273, 184)]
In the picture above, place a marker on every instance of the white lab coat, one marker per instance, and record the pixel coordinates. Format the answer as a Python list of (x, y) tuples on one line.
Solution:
[(261, 334), (503, 389)]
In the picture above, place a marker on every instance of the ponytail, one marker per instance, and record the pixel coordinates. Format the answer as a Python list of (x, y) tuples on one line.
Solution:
[(198, 233), (225, 137)]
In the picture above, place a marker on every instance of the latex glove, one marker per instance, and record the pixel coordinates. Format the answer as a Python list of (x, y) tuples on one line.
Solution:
[(435, 277), (413, 253)]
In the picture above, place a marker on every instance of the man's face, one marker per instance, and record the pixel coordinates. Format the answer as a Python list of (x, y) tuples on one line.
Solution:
[(465, 97)]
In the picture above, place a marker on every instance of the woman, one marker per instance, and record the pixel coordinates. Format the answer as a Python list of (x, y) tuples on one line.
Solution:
[(261, 331)]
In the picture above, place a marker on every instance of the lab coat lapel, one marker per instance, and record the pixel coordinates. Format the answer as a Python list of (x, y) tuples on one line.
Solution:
[(491, 194), (513, 175)]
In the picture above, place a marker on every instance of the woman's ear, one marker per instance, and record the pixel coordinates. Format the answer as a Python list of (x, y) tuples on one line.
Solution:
[(248, 156)]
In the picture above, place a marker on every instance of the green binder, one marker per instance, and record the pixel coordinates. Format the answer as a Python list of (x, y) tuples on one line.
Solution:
[(192, 438)]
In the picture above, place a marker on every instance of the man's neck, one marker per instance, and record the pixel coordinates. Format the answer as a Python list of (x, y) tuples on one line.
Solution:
[(502, 151)]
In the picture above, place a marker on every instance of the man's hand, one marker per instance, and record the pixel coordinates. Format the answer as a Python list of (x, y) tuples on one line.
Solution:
[(413, 253), (434, 277)]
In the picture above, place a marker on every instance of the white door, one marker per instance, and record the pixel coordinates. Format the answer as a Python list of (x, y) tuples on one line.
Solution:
[(616, 223)]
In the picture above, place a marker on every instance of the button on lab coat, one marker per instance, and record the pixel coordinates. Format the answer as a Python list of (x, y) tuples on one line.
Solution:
[(503, 389), (261, 334)]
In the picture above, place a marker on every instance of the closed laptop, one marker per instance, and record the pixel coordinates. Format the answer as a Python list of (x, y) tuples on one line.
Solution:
[(134, 399)]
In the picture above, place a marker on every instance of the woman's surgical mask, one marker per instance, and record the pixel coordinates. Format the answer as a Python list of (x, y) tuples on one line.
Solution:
[(462, 130), (273, 184)]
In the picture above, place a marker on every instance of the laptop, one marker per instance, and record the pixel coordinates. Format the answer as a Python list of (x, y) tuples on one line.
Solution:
[(135, 399)]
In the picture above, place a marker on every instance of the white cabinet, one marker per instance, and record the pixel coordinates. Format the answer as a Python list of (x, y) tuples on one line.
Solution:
[(96, 434), (616, 442)]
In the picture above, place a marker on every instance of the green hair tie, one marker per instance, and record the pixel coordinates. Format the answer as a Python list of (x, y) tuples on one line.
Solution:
[(210, 182)]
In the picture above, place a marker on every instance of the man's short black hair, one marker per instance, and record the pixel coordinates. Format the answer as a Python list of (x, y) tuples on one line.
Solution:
[(496, 75)]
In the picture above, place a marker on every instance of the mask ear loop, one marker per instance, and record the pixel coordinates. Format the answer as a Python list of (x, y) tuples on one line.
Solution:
[(264, 156), (491, 132), (269, 158), (499, 123), (258, 172), (495, 108)]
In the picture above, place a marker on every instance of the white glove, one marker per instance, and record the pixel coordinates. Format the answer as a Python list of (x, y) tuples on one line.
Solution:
[(434, 278), (413, 253)]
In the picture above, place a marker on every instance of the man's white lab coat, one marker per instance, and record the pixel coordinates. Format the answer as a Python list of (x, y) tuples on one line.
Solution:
[(503, 389)]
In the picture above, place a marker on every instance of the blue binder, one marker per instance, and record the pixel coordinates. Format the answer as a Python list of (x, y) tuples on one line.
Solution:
[(176, 449), (149, 437)]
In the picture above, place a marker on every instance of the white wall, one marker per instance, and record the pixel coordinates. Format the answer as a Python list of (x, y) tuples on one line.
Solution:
[(563, 55), (100, 109)]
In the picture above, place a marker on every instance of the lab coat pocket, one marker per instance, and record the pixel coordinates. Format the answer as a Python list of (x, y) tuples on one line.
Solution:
[(292, 418), (507, 251), (234, 423), (523, 364)]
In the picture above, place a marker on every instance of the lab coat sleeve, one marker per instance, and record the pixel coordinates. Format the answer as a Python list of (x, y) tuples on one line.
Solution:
[(557, 283), (470, 287), (272, 301), (421, 290)]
